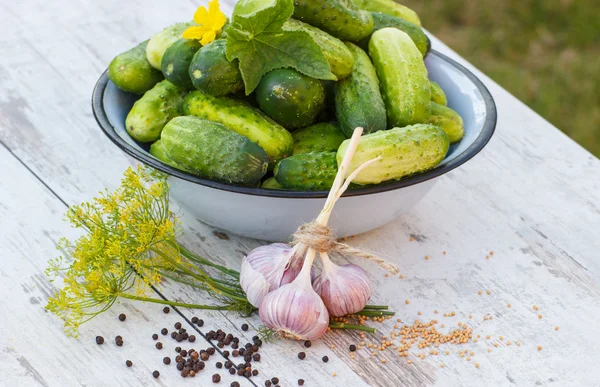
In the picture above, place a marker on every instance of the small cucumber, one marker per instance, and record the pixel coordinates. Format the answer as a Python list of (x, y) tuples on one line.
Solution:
[(437, 94), (448, 120), (150, 114), (404, 84), (414, 31), (176, 62), (158, 150), (307, 171), (160, 42), (212, 73), (389, 7), (292, 99), (404, 151), (271, 183), (132, 72), (213, 151), (321, 137), (243, 119), (358, 100), (340, 18), (339, 57)]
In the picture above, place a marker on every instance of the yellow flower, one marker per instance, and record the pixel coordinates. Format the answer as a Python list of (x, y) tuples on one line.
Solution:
[(209, 22)]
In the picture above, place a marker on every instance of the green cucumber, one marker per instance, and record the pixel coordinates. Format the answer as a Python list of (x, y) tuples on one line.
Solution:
[(307, 171), (212, 73), (176, 62), (404, 84), (213, 151), (358, 100), (415, 32), (389, 7), (243, 119), (403, 151), (340, 18), (437, 94), (271, 183), (132, 72), (160, 42), (291, 98), (150, 114), (448, 120), (158, 150), (339, 57), (321, 137)]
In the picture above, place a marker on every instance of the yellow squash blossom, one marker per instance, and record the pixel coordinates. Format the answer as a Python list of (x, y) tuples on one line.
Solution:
[(209, 22)]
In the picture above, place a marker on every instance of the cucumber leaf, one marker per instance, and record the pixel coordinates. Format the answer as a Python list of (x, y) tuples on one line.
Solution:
[(257, 39)]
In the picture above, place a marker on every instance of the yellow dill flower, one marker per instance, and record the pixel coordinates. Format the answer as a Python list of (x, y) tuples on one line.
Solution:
[(210, 22)]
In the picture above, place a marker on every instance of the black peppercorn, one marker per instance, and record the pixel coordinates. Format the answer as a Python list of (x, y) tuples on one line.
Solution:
[(275, 380), (156, 374), (164, 331), (235, 340), (204, 356), (173, 334), (301, 355), (219, 364), (192, 338), (232, 371), (99, 340), (242, 351), (194, 355), (352, 348), (154, 336), (325, 359), (220, 344), (201, 365), (228, 364), (185, 373), (128, 363), (248, 345), (244, 327), (256, 357), (247, 357), (301, 382), (211, 351), (227, 341), (200, 322), (159, 345), (268, 383), (179, 338), (225, 354), (177, 349), (235, 346), (254, 372), (177, 325), (234, 384), (194, 319), (240, 372), (179, 359), (254, 348), (216, 378), (118, 338), (166, 310), (122, 317), (167, 360), (183, 353), (180, 366), (307, 344)]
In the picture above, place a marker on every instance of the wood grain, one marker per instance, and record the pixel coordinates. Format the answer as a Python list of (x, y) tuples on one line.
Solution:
[(531, 196)]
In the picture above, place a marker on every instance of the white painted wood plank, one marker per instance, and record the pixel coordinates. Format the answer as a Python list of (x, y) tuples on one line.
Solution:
[(529, 183), (33, 348)]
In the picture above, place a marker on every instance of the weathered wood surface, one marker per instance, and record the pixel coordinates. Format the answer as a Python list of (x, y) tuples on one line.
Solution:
[(531, 196)]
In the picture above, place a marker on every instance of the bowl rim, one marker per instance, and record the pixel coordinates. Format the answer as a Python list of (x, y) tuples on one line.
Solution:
[(478, 144)]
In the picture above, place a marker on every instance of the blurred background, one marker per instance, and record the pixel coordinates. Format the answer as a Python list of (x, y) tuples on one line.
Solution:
[(545, 52)]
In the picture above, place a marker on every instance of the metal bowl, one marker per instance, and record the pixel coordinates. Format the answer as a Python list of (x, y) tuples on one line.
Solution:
[(275, 214)]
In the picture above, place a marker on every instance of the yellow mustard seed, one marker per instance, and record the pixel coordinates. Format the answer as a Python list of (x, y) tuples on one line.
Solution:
[(539, 347)]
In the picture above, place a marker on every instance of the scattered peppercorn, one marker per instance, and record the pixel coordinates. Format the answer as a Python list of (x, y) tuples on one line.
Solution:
[(128, 363), (191, 338), (204, 356), (232, 371), (154, 336), (166, 310), (164, 331), (219, 364), (99, 340), (254, 372), (167, 360), (268, 383), (200, 322), (244, 327), (216, 378), (122, 317), (275, 380), (301, 382), (235, 384), (194, 319), (307, 344), (156, 374), (352, 348), (211, 351), (301, 355), (177, 325), (183, 353), (159, 345), (325, 359), (256, 357), (173, 335)]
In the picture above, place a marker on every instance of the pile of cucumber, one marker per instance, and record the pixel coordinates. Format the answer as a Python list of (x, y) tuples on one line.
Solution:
[(292, 131)]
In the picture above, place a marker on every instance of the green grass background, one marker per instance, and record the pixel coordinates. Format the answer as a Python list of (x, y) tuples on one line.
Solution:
[(545, 52)]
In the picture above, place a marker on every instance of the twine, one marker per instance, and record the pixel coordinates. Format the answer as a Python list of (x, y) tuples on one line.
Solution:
[(320, 238)]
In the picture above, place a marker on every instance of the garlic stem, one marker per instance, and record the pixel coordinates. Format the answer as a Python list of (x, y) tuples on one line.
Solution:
[(376, 307), (327, 264), (363, 328), (304, 275)]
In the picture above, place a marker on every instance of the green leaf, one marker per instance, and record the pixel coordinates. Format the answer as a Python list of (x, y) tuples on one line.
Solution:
[(257, 40)]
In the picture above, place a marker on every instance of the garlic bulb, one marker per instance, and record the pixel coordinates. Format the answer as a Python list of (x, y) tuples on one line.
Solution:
[(266, 268), (345, 289), (295, 310)]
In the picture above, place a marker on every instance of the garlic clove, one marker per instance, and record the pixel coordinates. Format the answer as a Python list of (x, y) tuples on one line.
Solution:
[(295, 311), (254, 283), (345, 289)]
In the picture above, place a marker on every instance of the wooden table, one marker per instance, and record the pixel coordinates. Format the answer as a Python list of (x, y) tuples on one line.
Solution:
[(531, 197)]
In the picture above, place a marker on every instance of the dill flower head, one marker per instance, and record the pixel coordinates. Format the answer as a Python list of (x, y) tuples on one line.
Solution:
[(130, 236)]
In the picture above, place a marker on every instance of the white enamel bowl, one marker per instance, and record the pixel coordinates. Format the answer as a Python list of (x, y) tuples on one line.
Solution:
[(274, 215)]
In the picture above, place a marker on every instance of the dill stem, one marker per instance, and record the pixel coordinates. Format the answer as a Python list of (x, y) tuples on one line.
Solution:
[(173, 303), (196, 258), (334, 325)]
